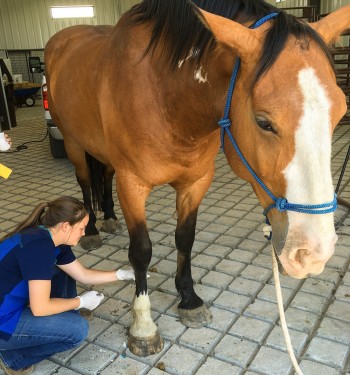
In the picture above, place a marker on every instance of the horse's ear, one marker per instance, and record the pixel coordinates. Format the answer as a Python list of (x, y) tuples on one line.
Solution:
[(331, 26), (242, 40)]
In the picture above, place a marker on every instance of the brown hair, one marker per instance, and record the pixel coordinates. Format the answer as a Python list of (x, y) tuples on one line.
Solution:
[(49, 214)]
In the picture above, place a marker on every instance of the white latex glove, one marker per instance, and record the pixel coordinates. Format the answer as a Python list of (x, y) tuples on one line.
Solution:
[(90, 300), (4, 144), (125, 274)]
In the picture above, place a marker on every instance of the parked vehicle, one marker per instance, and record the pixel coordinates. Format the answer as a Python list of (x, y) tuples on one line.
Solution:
[(55, 136)]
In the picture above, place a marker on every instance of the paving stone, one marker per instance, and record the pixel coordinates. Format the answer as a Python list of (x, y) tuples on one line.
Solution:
[(124, 365), (235, 350), (217, 250), (112, 310), (246, 287), (320, 287), (262, 310), (339, 310), (214, 366), (221, 319), (45, 367), (335, 330), (62, 371), (114, 338), (243, 256), (166, 267), (96, 327), (327, 352), (310, 368), (228, 241), (300, 320), (89, 261), (263, 260), (343, 293), (181, 361), (63, 358), (309, 302), (276, 340), (256, 273), (337, 262), (161, 301), (217, 279), (202, 340), (252, 329), (169, 327), (232, 301), (205, 261), (271, 362), (268, 293), (230, 267), (91, 359)]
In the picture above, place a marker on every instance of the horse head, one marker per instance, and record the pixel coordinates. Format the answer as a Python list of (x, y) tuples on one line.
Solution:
[(291, 108)]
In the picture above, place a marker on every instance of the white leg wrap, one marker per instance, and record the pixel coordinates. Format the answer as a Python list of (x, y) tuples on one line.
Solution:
[(143, 325)]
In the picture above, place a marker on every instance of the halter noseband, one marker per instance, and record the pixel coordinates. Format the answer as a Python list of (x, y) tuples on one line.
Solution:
[(280, 204)]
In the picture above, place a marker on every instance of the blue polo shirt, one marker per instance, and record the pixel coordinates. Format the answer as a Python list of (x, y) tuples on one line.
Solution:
[(29, 255)]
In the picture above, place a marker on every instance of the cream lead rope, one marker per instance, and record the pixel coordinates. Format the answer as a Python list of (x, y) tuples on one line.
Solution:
[(267, 231)]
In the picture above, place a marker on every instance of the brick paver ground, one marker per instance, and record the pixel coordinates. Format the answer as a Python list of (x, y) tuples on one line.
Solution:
[(231, 268)]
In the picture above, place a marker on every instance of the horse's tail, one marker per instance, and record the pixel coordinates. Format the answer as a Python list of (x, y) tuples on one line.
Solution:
[(97, 181)]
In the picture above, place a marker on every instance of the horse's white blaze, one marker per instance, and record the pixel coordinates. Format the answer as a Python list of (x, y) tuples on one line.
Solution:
[(308, 175), (200, 76), (143, 325)]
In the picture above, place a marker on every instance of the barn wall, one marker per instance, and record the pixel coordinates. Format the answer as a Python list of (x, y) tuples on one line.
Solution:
[(27, 24), (326, 5)]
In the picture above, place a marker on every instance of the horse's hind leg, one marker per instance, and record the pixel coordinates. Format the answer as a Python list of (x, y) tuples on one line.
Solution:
[(144, 339), (192, 311), (110, 223), (76, 155)]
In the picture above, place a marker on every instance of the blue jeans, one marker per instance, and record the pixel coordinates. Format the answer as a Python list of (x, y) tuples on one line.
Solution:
[(39, 337)]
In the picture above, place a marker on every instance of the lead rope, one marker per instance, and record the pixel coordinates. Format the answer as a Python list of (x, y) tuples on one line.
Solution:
[(278, 289)]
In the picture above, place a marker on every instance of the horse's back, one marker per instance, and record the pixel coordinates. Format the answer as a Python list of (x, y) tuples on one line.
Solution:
[(73, 60)]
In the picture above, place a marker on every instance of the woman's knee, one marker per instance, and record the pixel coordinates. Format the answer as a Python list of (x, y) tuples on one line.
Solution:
[(79, 329)]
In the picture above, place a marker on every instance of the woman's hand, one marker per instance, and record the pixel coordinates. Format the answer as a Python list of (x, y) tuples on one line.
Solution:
[(5, 142), (90, 300)]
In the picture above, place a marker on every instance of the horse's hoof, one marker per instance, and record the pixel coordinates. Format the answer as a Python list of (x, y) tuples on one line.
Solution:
[(144, 347), (111, 226), (91, 242), (195, 318)]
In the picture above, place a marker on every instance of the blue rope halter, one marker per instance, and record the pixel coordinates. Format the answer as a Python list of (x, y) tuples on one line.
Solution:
[(280, 204)]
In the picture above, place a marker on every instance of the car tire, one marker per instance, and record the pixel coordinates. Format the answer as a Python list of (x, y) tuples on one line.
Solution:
[(30, 101), (57, 148)]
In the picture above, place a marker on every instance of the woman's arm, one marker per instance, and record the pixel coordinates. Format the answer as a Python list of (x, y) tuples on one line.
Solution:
[(42, 305), (87, 276)]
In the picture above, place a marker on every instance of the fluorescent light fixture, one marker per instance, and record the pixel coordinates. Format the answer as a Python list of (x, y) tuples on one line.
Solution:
[(72, 12)]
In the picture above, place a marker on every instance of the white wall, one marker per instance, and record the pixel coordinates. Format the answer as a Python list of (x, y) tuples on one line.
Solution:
[(27, 24)]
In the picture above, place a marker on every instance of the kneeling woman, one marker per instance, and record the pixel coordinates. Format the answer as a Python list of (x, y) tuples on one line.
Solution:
[(39, 306)]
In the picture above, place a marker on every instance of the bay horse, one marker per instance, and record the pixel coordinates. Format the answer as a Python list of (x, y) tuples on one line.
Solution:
[(144, 98)]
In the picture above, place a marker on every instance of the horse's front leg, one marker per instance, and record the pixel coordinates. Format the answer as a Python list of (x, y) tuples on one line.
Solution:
[(192, 311), (144, 339)]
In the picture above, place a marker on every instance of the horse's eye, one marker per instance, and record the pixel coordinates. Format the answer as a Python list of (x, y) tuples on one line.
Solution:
[(264, 125)]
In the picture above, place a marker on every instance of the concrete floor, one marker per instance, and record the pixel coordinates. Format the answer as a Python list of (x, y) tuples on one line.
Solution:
[(231, 268)]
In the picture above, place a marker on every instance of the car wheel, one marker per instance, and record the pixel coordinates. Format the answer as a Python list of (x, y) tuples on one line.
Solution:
[(57, 148), (30, 101)]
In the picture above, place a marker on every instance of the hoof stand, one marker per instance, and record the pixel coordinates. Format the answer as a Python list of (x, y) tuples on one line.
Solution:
[(195, 318), (144, 347)]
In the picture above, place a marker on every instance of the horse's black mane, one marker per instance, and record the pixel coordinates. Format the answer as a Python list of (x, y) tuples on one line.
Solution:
[(177, 22)]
